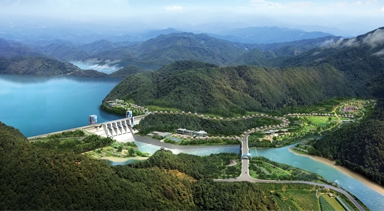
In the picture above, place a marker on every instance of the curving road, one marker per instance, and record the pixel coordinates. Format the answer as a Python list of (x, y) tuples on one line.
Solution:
[(244, 176)]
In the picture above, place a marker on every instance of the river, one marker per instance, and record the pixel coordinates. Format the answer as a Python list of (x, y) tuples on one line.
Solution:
[(38, 105)]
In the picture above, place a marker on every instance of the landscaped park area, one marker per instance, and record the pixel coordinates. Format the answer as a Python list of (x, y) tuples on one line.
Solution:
[(79, 141)]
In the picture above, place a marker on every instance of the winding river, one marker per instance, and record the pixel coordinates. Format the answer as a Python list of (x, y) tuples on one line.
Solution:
[(38, 105)]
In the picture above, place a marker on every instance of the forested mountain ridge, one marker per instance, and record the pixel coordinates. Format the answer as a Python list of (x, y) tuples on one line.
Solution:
[(10, 49), (126, 71), (359, 147), (43, 66), (158, 51), (360, 59), (264, 35), (34, 178), (165, 49), (203, 87)]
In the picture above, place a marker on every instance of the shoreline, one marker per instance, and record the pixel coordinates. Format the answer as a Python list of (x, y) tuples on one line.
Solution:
[(378, 188)]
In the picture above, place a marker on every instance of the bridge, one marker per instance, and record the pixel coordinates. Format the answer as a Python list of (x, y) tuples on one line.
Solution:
[(245, 176)]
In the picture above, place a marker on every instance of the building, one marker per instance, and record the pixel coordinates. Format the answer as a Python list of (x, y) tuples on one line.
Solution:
[(200, 133), (184, 131)]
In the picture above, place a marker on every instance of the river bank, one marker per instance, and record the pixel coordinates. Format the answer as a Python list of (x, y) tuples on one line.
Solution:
[(374, 186)]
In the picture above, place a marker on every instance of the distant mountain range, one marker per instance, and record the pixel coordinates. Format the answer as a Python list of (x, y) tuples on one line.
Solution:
[(266, 35), (157, 48), (168, 48), (340, 67)]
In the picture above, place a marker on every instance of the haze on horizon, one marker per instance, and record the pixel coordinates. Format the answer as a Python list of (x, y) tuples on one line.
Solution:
[(340, 17)]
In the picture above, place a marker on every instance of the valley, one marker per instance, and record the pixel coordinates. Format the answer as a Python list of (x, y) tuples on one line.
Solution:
[(201, 94)]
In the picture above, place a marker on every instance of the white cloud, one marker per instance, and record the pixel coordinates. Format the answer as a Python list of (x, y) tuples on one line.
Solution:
[(358, 3), (382, 9), (174, 8), (379, 53), (374, 39), (264, 3)]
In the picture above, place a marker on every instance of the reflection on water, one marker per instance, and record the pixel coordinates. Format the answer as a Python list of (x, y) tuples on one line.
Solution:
[(29, 79)]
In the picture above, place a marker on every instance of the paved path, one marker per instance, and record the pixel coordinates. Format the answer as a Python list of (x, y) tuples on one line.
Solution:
[(244, 176)]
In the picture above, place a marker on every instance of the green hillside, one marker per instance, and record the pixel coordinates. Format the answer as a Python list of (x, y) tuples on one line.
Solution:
[(202, 87), (359, 147), (33, 178), (126, 71), (64, 52), (165, 49), (43, 66)]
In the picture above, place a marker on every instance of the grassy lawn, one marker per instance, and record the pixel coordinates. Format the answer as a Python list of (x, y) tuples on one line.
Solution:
[(332, 202), (274, 169), (293, 196), (322, 121)]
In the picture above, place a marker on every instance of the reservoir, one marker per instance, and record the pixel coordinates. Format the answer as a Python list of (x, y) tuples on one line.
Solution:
[(38, 105)]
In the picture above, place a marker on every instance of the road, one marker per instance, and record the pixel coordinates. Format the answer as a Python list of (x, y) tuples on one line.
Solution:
[(244, 176)]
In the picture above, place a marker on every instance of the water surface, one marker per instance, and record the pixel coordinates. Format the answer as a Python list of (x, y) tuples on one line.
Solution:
[(37, 105)]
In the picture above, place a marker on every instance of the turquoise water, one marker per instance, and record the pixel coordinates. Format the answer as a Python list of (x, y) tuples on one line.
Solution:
[(38, 105), (371, 198)]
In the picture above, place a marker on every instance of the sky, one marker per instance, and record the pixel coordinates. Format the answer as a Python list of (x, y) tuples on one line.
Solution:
[(357, 15)]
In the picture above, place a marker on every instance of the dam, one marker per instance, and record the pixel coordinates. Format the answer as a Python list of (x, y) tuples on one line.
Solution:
[(120, 129)]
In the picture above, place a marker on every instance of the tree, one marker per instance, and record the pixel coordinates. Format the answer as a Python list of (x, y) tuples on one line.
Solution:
[(131, 151)]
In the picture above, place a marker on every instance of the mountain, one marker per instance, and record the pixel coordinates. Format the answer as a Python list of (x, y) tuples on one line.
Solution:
[(10, 49), (271, 54), (203, 87), (102, 46), (126, 71), (263, 35), (35, 178), (43, 66), (341, 68), (156, 33), (64, 52), (360, 59), (359, 146), (166, 49)]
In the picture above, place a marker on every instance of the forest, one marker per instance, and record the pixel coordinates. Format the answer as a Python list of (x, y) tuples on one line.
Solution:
[(204, 88), (358, 146), (35, 178)]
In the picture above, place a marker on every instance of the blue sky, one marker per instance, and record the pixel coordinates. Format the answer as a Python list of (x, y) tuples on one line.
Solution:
[(178, 13)]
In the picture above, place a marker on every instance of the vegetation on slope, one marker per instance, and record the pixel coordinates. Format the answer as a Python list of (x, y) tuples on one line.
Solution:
[(126, 71), (201, 87), (359, 147), (33, 179), (44, 67)]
